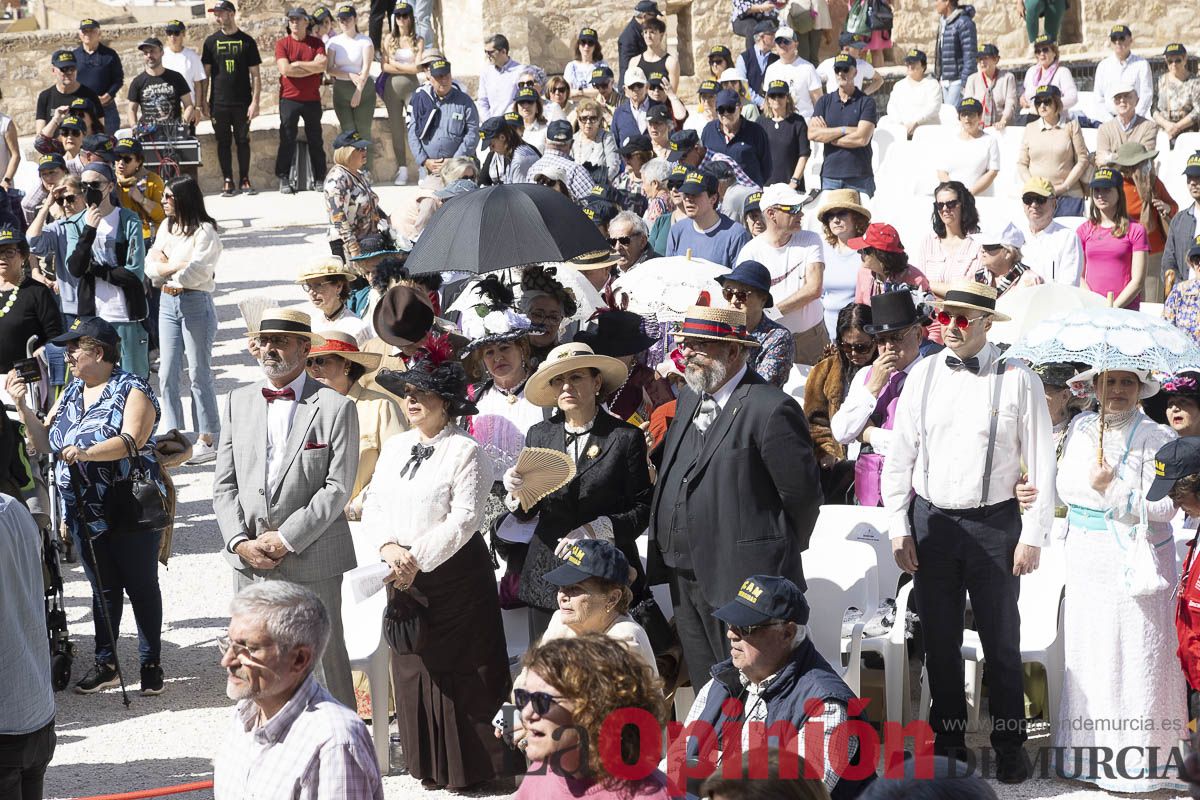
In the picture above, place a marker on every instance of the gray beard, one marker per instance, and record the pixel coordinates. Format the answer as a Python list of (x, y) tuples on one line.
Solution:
[(277, 370), (702, 380)]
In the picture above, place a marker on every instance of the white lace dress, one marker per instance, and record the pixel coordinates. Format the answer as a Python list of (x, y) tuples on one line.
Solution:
[(1123, 686), (436, 510)]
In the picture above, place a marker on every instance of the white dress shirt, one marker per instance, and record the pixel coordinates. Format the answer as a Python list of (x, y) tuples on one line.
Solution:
[(1111, 73), (1054, 252), (855, 413), (955, 435), (280, 414)]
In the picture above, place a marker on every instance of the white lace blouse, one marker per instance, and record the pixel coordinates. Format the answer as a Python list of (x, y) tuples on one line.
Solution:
[(435, 510)]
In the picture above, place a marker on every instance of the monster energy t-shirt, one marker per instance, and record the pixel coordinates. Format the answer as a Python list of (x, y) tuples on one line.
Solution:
[(229, 57), (158, 96)]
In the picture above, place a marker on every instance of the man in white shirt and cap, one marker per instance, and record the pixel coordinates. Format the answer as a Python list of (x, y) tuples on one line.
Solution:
[(1051, 250), (974, 424), (1122, 66)]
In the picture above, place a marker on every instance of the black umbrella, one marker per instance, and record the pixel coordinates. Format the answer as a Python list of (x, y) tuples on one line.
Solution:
[(503, 226)]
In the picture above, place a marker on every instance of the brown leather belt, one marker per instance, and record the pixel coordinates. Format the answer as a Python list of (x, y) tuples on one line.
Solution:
[(175, 292)]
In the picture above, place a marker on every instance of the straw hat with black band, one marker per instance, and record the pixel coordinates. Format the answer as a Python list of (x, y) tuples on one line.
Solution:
[(566, 358), (972, 296), (716, 324), (289, 321)]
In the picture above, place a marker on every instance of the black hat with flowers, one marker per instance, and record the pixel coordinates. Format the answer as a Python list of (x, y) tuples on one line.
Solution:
[(1184, 384), (434, 370)]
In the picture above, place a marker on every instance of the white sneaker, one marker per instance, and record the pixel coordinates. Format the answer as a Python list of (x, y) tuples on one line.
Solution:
[(202, 453), (401, 177)]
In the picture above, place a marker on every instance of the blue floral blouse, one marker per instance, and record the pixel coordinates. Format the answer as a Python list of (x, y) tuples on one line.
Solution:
[(103, 420)]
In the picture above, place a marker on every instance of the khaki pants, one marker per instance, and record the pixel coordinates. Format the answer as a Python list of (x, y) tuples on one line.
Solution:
[(1152, 288), (810, 344)]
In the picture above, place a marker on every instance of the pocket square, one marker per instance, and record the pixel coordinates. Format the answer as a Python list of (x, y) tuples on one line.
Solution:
[(315, 445)]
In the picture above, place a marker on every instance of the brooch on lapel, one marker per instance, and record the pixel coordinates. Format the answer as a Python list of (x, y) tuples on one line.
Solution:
[(593, 451)]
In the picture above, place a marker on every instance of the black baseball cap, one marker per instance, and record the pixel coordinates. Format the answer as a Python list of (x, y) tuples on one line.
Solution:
[(847, 38), (765, 598), (84, 104), (753, 203), (11, 235), (177, 26), (647, 7), (346, 10), (71, 123), (151, 41), (915, 56), (99, 144), (1192, 170), (321, 13), (1045, 39), (1194, 250), (699, 181), (403, 10), (599, 210), (659, 113), (94, 328), (514, 119), (439, 68), (1119, 32), (1049, 91), (588, 35), (128, 145), (988, 49), (636, 144), (88, 24), (1174, 460), (590, 558), (720, 51), (778, 88), (222, 5), (52, 161), (560, 131), (969, 105), (602, 74), (490, 128), (297, 13), (63, 59), (678, 173), (681, 143), (1175, 49), (843, 62), (708, 88), (351, 139), (656, 80)]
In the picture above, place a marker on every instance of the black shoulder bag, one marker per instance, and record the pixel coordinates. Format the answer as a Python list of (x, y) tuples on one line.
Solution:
[(134, 504)]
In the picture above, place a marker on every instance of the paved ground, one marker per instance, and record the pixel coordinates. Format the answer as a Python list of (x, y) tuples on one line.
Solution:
[(170, 739)]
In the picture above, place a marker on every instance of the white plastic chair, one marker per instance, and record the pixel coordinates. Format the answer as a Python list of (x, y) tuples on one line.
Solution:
[(362, 626), (1041, 605), (840, 576), (870, 526), (947, 115)]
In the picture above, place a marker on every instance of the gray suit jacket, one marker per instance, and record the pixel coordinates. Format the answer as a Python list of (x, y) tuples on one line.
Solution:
[(320, 460)]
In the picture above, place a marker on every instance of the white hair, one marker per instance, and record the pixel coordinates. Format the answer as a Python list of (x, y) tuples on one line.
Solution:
[(293, 614), (636, 223), (656, 169)]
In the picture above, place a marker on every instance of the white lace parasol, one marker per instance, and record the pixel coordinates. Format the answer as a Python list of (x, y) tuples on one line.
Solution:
[(1109, 339)]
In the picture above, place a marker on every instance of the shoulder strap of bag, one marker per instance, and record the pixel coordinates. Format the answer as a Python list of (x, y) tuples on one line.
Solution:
[(995, 422)]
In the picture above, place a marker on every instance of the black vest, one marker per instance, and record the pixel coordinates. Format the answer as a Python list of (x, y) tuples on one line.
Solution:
[(671, 523), (754, 73)]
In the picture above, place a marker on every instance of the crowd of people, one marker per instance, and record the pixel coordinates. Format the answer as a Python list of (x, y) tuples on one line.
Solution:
[(397, 412)]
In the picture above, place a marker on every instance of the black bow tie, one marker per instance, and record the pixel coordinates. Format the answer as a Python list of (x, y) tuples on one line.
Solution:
[(419, 454), (971, 364)]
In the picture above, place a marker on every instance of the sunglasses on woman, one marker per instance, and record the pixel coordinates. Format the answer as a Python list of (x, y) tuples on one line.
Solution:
[(318, 361), (948, 205), (558, 90), (740, 294), (857, 349), (1041, 51), (588, 120), (946, 319), (67, 200), (541, 700)]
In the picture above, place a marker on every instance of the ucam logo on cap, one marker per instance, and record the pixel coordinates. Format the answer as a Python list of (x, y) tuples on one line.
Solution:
[(694, 177), (9, 235), (576, 555), (1160, 469), (754, 198), (750, 591)]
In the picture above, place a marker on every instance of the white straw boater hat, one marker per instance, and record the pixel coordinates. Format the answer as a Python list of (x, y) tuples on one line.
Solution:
[(340, 343), (326, 268), (972, 296), (286, 320), (568, 357)]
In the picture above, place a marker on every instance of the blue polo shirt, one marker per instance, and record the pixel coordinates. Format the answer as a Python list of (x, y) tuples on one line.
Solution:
[(846, 162), (749, 148), (100, 71)]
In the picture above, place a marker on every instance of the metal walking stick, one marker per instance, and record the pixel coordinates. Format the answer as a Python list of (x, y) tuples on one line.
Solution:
[(76, 482)]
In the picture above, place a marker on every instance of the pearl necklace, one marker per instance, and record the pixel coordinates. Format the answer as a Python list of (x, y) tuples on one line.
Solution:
[(12, 298)]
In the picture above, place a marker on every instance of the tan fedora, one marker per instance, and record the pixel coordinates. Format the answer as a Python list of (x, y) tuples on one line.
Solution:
[(339, 343), (326, 268), (842, 198), (567, 357), (973, 296), (286, 320)]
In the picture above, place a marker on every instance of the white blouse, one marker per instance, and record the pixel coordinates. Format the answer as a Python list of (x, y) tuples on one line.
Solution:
[(436, 509), (344, 321), (197, 253)]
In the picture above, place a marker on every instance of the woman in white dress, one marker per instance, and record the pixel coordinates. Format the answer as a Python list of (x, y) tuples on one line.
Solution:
[(1123, 687)]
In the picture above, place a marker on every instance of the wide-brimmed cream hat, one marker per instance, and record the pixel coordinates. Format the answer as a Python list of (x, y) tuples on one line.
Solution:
[(842, 198), (973, 296), (567, 357), (1148, 388), (326, 268), (286, 320), (340, 343)]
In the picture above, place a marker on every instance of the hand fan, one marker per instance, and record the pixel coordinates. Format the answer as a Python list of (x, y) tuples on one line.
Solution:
[(543, 471)]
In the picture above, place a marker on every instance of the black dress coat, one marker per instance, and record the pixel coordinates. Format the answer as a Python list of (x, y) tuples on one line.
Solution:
[(753, 496), (614, 483), (630, 44)]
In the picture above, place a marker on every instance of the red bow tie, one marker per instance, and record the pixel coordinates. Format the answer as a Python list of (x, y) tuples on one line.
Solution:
[(283, 394)]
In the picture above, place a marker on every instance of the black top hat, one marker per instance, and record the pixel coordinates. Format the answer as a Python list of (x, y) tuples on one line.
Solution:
[(892, 311), (617, 334)]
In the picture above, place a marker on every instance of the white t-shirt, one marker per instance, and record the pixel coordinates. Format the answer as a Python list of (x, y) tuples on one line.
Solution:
[(346, 54), (787, 266), (967, 159), (825, 71), (110, 301), (187, 63), (802, 76)]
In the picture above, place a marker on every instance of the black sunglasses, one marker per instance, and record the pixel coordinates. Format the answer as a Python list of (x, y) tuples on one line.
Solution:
[(541, 700), (740, 294), (319, 361), (1033, 199), (857, 348), (727, 110), (95, 185), (614, 241), (527, 85), (783, 40), (67, 199), (948, 205)]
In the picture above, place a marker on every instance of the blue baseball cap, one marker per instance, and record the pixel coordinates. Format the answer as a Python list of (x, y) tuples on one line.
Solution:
[(699, 181), (602, 75), (11, 235), (351, 139), (52, 161), (1174, 460), (681, 143), (94, 328), (752, 274), (590, 558), (727, 98), (764, 598)]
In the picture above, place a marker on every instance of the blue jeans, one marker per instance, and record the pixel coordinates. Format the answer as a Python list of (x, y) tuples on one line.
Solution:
[(127, 564), (187, 324), (112, 118), (865, 184), (952, 93), (1067, 206), (135, 347)]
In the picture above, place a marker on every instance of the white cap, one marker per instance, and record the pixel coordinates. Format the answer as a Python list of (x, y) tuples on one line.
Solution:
[(548, 169), (1121, 88), (731, 74), (1004, 233), (785, 33), (634, 75), (780, 194)]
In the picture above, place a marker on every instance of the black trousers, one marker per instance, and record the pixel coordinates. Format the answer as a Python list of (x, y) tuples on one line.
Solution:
[(23, 762), (230, 124), (700, 633), (381, 11), (961, 552), (290, 114)]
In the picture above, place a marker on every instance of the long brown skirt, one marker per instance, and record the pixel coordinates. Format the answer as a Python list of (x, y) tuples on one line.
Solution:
[(447, 695)]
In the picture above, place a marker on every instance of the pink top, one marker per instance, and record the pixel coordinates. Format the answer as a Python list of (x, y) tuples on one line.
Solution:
[(1108, 261), (867, 286), (551, 786), (940, 267)]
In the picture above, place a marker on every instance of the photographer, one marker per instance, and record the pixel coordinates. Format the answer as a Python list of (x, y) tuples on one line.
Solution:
[(102, 431), (27, 307), (107, 254)]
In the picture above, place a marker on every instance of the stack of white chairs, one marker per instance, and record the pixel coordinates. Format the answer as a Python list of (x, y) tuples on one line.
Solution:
[(841, 575), (362, 626)]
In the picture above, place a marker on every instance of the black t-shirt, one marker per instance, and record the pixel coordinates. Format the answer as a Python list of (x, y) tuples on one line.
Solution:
[(52, 98), (229, 58), (159, 95), (34, 312), (787, 139)]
